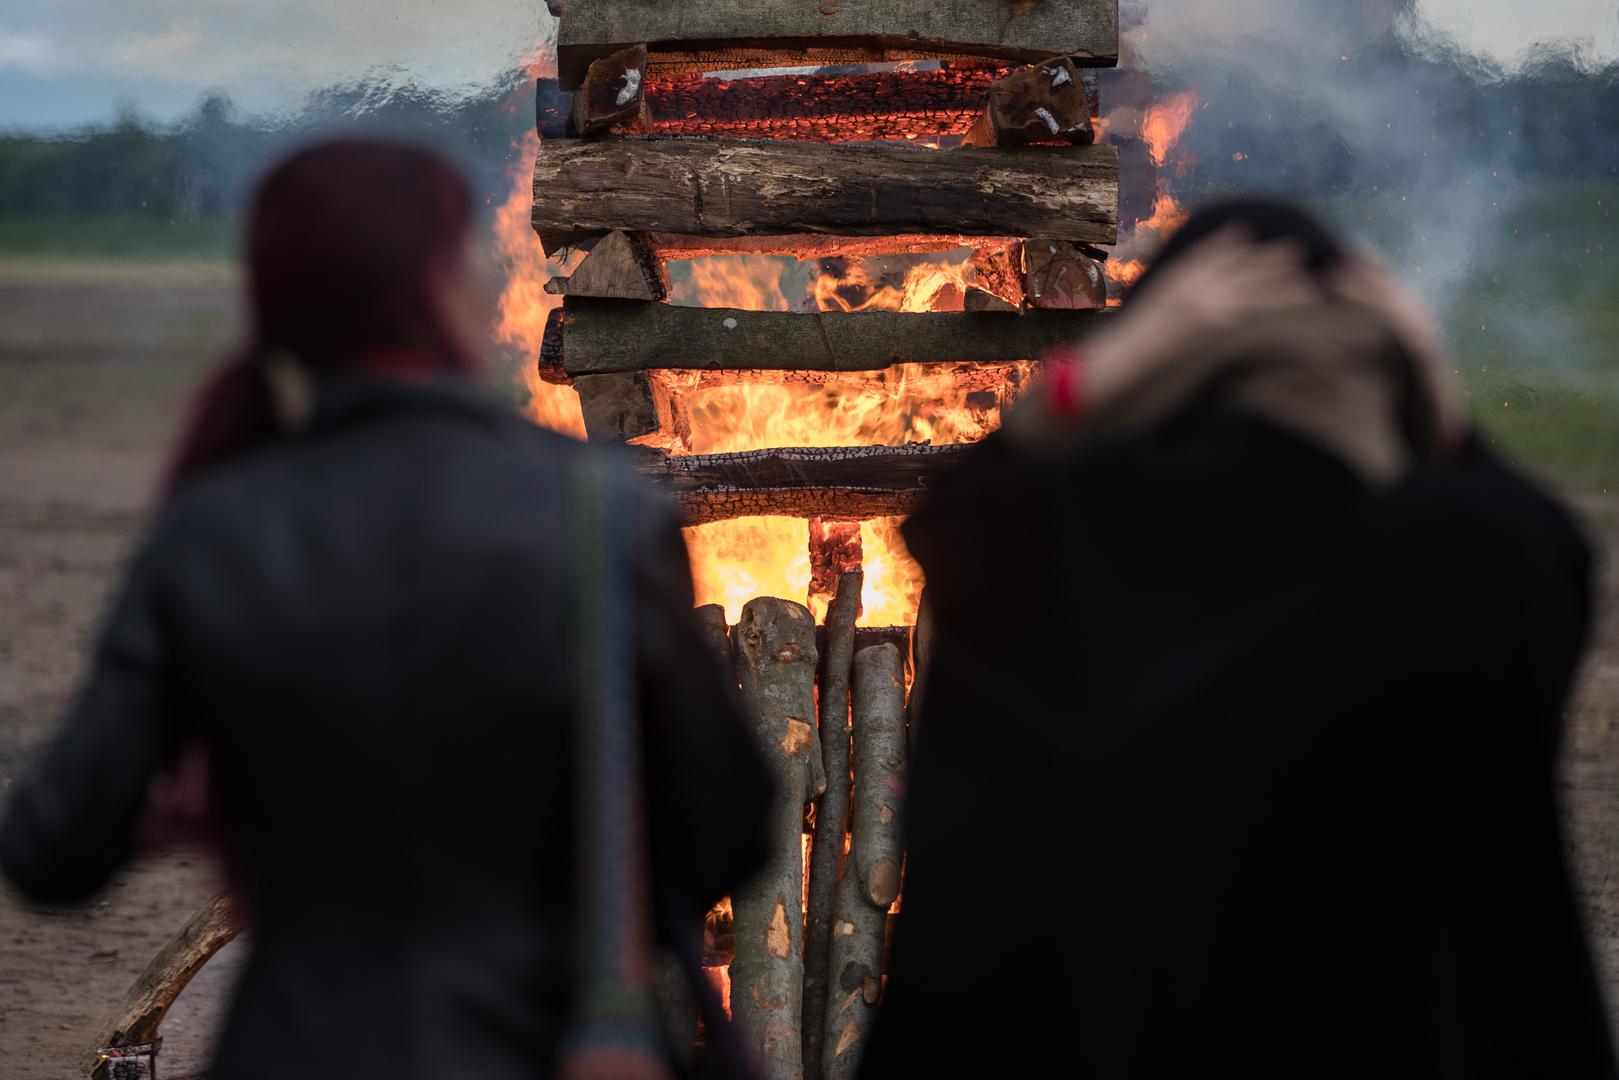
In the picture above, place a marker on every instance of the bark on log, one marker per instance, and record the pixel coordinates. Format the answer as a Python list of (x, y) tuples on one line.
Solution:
[(871, 874), (136, 1021), (847, 482), (1043, 103), (619, 267), (766, 33), (613, 95), (743, 187), (864, 107), (775, 644), (1061, 276), (921, 662), (831, 813), (614, 335)]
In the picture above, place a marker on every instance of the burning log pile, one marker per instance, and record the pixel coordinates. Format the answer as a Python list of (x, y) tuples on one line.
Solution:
[(867, 136)]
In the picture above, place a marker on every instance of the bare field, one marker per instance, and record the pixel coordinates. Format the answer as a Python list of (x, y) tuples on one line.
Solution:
[(95, 365)]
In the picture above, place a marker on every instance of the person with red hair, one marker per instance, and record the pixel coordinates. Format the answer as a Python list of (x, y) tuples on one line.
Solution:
[(464, 738)]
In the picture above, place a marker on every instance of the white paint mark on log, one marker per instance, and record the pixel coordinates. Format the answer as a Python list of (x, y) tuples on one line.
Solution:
[(632, 86), (1059, 75), (1050, 121)]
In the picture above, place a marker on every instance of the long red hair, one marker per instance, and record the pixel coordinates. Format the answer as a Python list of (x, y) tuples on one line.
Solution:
[(348, 243)]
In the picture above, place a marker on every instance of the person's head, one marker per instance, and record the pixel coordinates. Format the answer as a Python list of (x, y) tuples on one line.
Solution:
[(1263, 221), (357, 262), (357, 247)]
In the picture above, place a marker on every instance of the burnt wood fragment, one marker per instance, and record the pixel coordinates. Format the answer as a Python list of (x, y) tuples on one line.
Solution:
[(847, 481)]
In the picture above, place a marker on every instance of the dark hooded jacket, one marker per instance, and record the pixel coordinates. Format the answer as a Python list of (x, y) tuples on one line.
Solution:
[(1233, 764), (367, 625)]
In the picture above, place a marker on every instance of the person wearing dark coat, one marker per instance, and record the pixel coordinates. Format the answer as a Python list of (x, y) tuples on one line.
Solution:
[(1238, 755), (365, 620)]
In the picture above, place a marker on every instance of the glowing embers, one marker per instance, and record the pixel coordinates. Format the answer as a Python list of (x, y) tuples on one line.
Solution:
[(838, 105)]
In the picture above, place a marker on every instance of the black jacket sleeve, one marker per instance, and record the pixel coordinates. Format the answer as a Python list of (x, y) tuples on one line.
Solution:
[(71, 820), (709, 789)]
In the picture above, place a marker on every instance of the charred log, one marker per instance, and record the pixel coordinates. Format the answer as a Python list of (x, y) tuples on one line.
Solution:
[(847, 482), (870, 881), (775, 645), (834, 551), (777, 33), (740, 187), (610, 335), (831, 813)]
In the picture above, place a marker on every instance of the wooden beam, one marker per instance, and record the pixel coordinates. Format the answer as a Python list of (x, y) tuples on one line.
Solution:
[(844, 481), (1043, 103), (601, 336), (613, 96), (1058, 275), (619, 267), (742, 187), (765, 33)]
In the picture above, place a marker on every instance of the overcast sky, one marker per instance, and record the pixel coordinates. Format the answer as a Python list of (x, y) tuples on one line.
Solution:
[(63, 62)]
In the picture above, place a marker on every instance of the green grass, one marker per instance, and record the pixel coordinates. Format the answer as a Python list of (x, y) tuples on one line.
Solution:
[(1564, 430), (138, 238)]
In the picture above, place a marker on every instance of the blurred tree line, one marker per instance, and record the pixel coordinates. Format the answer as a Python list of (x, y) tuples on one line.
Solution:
[(204, 166)]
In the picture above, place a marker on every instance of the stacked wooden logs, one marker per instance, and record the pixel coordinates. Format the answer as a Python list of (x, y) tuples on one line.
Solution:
[(805, 942), (958, 126)]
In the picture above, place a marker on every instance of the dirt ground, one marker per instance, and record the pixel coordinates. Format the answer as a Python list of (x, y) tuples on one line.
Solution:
[(94, 368)]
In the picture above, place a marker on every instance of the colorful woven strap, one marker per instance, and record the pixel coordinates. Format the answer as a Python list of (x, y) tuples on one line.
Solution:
[(615, 1032)]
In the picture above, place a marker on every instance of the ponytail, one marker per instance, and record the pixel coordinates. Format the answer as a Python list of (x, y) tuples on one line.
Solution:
[(231, 413)]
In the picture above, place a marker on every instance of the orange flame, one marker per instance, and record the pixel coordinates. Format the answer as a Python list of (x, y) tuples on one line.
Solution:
[(735, 561), (928, 286), (524, 303), (1164, 124), (1167, 215)]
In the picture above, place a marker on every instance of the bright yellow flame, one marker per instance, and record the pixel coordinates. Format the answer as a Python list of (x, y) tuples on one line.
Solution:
[(735, 561)]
